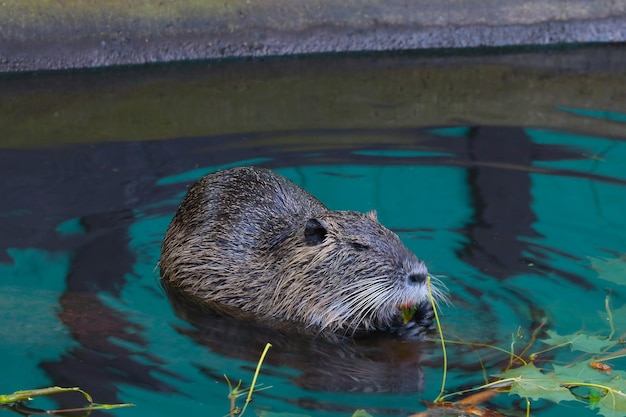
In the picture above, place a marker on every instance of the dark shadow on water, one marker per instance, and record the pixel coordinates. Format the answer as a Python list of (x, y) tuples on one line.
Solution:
[(99, 363)]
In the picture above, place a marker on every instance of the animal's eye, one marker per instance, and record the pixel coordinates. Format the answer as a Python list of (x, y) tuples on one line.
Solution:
[(360, 246)]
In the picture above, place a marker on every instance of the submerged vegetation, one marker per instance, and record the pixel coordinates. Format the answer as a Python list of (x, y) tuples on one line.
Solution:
[(588, 379)]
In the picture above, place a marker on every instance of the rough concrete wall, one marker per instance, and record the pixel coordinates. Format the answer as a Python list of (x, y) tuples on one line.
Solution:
[(59, 34)]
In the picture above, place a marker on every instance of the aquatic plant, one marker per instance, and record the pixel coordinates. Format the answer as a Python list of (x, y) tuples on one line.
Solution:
[(589, 379), (19, 400), (236, 392)]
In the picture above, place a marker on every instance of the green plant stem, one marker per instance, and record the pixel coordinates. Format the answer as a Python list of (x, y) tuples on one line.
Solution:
[(443, 343), (484, 345), (501, 383), (607, 307), (533, 339), (256, 374)]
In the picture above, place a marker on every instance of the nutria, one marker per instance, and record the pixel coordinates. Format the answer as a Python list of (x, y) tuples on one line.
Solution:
[(249, 240)]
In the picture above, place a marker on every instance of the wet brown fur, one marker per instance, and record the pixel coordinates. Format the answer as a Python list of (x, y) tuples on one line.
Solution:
[(251, 240)]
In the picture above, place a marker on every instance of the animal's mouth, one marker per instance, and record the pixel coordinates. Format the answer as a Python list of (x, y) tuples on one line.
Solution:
[(410, 306), (407, 310)]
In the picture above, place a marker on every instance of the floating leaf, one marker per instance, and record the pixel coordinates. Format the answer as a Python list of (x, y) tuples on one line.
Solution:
[(595, 396), (610, 269), (579, 341), (585, 372), (530, 382), (613, 401), (606, 392)]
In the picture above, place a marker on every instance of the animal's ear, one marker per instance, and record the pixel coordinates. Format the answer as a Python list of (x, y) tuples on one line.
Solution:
[(372, 215), (314, 232)]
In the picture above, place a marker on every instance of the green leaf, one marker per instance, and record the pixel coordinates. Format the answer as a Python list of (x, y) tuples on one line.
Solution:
[(606, 392), (581, 342), (610, 269), (612, 402), (530, 382), (581, 372), (595, 396), (407, 314)]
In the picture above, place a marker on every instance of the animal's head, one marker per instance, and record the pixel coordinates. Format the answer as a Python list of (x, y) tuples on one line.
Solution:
[(348, 272)]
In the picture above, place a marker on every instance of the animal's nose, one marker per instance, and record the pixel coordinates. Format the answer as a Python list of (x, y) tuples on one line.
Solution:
[(418, 278)]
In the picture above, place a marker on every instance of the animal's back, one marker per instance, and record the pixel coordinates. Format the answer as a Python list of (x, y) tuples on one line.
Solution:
[(245, 202), (237, 216)]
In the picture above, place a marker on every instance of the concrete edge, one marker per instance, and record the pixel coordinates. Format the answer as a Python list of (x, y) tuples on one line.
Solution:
[(83, 36)]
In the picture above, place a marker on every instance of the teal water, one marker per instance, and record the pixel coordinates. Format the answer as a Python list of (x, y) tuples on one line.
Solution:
[(523, 225), (513, 239)]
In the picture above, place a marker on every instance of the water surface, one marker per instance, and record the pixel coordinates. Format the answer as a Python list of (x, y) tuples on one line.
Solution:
[(514, 218)]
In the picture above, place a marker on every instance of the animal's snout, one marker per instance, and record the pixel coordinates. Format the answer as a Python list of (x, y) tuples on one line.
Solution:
[(418, 278)]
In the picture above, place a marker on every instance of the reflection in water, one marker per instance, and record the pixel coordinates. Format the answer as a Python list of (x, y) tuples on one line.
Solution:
[(94, 325), (501, 196), (475, 194), (376, 365)]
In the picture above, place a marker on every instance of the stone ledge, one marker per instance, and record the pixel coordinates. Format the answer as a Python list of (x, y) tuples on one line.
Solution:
[(55, 34)]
